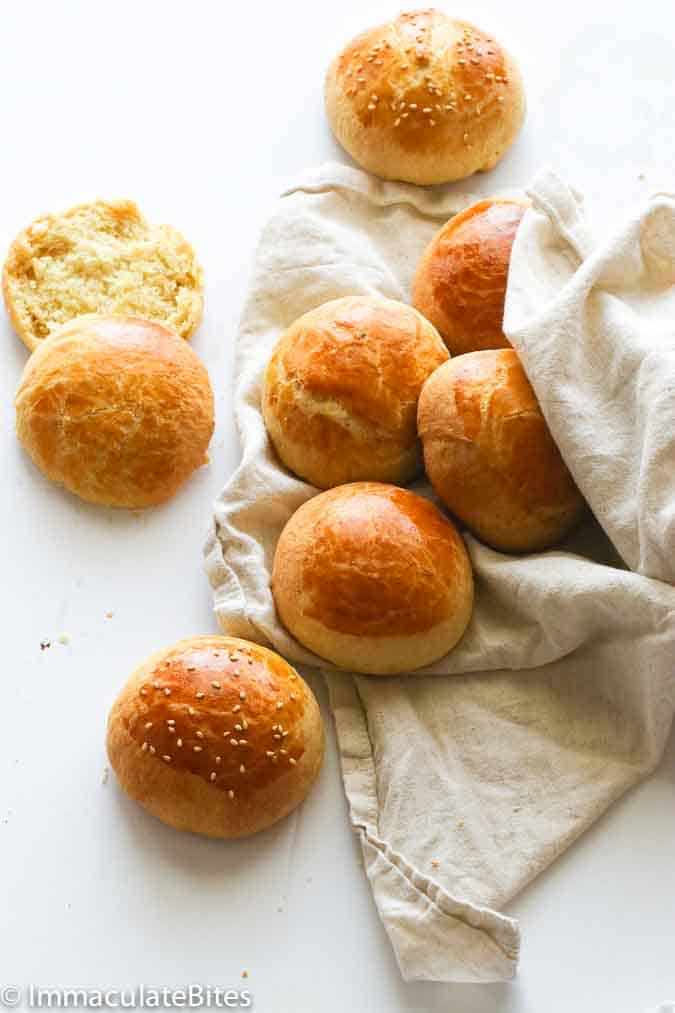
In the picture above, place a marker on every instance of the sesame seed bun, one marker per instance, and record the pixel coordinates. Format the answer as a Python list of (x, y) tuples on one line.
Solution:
[(340, 391), (424, 98), (102, 257), (373, 578), (216, 735), (119, 410), (490, 455), (460, 283)]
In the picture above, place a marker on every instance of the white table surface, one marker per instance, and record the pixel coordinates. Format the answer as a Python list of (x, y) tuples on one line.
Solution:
[(202, 112)]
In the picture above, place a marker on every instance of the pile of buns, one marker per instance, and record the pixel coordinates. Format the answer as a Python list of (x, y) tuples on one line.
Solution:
[(217, 735), (360, 393)]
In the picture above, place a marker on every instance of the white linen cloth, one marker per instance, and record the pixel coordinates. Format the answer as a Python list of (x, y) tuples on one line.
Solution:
[(467, 779)]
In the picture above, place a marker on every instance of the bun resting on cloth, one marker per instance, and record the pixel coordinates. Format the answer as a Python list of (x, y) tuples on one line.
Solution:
[(102, 257), (117, 409), (373, 578), (490, 456), (216, 735), (424, 98), (460, 283), (341, 388)]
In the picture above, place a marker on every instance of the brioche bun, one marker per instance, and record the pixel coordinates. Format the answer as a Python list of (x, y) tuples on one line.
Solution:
[(216, 735), (490, 456), (340, 391), (424, 98), (118, 409), (100, 258), (460, 283), (373, 578)]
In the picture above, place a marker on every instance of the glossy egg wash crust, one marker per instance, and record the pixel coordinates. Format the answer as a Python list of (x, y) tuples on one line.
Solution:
[(216, 735), (103, 258), (425, 98)]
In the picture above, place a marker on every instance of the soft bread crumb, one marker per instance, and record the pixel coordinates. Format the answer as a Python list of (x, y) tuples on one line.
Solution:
[(101, 258)]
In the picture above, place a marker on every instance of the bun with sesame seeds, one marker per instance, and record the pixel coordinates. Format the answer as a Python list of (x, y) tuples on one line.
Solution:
[(425, 99), (490, 456), (217, 736), (119, 410), (102, 257), (341, 388), (460, 283), (373, 578)]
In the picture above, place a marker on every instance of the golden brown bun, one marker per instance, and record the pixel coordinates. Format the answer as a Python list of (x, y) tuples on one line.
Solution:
[(424, 98), (102, 258), (373, 578), (119, 410), (490, 455), (340, 391), (216, 735), (460, 283)]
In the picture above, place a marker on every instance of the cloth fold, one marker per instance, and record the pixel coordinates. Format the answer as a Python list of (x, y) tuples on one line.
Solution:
[(466, 779)]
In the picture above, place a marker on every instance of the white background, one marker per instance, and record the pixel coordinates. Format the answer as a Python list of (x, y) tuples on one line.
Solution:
[(202, 112)]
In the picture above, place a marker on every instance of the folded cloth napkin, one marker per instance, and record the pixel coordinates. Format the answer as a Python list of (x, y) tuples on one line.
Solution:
[(465, 780)]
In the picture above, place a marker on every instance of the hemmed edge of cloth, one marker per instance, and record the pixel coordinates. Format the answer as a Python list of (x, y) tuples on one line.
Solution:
[(463, 941)]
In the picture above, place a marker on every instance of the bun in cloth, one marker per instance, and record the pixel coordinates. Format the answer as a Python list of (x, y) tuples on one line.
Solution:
[(460, 283), (373, 578), (216, 735), (341, 388), (102, 258), (490, 456), (424, 98), (119, 410)]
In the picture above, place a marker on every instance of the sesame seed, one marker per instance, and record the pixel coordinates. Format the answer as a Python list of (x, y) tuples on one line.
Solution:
[(268, 752), (236, 708), (179, 743), (413, 105), (212, 775), (171, 730), (237, 728), (465, 138), (200, 696), (196, 749), (233, 742), (170, 721), (166, 758), (371, 105), (275, 758), (144, 692), (144, 747), (244, 725), (432, 123), (148, 724), (156, 684), (284, 734), (397, 121), (230, 793), (219, 759), (167, 691), (280, 704), (242, 769), (216, 685), (200, 735), (500, 98), (152, 750), (276, 736), (242, 695), (191, 711), (427, 109), (243, 742), (292, 761), (467, 98), (284, 752)]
